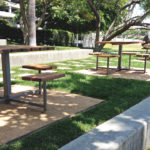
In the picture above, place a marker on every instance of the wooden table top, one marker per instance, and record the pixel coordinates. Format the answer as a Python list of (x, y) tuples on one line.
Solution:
[(22, 48), (103, 55), (119, 42), (143, 55), (131, 53)]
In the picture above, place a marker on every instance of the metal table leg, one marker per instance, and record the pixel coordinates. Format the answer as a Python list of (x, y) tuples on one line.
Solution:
[(145, 65), (40, 85), (120, 58), (107, 65), (6, 76), (129, 61), (45, 95), (96, 62)]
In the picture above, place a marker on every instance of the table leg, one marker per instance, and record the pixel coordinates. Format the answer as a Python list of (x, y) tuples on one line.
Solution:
[(120, 58), (96, 62), (107, 65), (145, 65), (44, 96), (6, 76), (129, 61), (40, 85)]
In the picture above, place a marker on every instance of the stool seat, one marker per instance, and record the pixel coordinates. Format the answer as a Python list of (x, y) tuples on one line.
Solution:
[(143, 55), (39, 67), (43, 77), (130, 53)]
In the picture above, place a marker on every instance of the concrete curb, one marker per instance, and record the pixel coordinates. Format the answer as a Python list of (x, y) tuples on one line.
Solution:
[(127, 131), (19, 59)]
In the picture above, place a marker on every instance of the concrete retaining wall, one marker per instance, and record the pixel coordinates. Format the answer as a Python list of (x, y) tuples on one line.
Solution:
[(127, 131), (19, 59), (3, 42)]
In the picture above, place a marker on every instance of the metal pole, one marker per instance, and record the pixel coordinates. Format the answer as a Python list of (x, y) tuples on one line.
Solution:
[(6, 76), (129, 61), (40, 84), (96, 62), (107, 65), (145, 65), (120, 58), (44, 96)]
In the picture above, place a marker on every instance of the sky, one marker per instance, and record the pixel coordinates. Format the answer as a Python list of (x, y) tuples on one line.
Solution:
[(138, 11)]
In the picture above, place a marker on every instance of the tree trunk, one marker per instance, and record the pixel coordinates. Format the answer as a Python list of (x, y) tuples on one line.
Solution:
[(24, 22), (32, 22), (97, 36)]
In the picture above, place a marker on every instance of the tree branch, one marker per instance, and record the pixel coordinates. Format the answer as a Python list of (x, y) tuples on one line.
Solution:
[(126, 25), (92, 6), (42, 17), (23, 13), (118, 14)]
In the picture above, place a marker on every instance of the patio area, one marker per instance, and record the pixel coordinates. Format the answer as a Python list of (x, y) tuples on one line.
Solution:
[(17, 120), (134, 73)]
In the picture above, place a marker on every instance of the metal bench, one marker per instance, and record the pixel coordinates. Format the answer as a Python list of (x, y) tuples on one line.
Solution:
[(39, 68), (43, 77)]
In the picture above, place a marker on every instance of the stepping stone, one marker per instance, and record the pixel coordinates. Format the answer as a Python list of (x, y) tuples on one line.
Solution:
[(74, 62), (78, 65), (24, 69), (65, 68), (61, 64), (25, 74), (1, 79), (86, 60), (11, 72), (91, 64), (48, 71)]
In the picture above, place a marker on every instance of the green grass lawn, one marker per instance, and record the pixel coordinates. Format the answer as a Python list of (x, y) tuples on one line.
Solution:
[(128, 47), (118, 95)]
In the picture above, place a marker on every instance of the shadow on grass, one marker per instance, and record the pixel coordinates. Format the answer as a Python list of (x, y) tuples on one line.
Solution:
[(119, 95)]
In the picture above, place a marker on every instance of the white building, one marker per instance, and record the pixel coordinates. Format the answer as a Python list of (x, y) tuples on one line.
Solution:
[(7, 10)]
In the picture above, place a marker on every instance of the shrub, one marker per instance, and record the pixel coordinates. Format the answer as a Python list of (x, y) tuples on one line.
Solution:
[(48, 37)]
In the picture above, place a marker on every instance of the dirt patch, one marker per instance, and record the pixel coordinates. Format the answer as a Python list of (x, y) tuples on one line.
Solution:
[(19, 119), (134, 73)]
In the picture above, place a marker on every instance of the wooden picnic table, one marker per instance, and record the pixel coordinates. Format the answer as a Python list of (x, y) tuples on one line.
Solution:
[(4, 51), (120, 44)]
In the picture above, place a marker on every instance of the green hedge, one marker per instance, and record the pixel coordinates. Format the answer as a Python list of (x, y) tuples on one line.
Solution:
[(49, 37), (55, 37)]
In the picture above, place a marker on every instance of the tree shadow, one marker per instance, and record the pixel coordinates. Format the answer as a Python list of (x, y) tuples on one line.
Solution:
[(119, 95)]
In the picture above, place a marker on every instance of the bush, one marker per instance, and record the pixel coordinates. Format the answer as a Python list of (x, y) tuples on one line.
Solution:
[(48, 37)]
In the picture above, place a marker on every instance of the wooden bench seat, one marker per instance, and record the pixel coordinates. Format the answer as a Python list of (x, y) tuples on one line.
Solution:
[(39, 67), (130, 54), (43, 77), (145, 56)]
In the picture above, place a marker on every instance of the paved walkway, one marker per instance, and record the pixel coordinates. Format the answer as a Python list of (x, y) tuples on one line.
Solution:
[(19, 119)]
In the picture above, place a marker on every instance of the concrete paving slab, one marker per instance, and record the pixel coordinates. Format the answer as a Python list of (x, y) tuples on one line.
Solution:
[(64, 68), (25, 74), (19, 119), (1, 72), (135, 73), (1, 79)]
